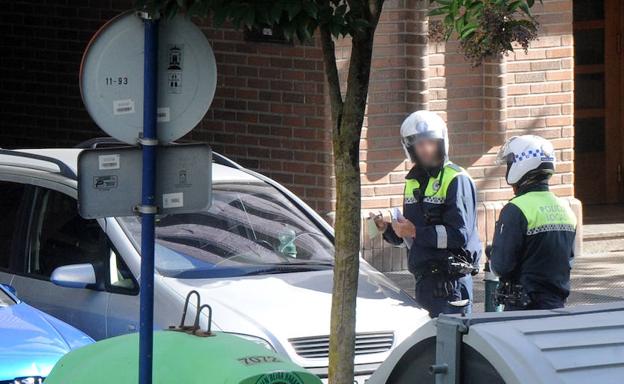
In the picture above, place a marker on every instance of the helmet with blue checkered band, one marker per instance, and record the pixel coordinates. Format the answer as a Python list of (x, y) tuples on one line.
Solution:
[(422, 125), (527, 156)]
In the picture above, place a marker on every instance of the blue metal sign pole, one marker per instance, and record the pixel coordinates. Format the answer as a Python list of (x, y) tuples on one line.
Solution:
[(147, 209)]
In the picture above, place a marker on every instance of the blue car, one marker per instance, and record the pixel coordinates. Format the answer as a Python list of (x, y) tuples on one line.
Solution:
[(31, 342)]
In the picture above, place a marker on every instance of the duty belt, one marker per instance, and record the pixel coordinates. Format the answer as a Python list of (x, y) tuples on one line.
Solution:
[(451, 268), (511, 294)]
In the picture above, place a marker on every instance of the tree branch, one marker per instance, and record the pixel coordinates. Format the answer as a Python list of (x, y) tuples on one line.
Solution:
[(375, 7), (360, 6), (331, 69)]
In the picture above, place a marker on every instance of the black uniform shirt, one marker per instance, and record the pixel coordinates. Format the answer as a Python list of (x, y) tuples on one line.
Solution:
[(541, 262), (458, 222)]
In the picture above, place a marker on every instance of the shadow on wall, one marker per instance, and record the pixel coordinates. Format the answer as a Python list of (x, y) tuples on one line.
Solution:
[(455, 92)]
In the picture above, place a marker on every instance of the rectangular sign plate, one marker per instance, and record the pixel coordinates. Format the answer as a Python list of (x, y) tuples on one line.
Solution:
[(109, 180)]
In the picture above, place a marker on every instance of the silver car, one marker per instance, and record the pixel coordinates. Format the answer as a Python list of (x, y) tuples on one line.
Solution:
[(259, 256)]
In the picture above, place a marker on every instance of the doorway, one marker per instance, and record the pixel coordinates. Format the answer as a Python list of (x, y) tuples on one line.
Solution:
[(599, 99)]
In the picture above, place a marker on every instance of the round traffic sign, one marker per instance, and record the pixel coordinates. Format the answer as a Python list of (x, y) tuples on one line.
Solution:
[(111, 77)]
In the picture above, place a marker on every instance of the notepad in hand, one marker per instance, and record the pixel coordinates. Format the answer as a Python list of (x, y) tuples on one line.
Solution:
[(373, 231)]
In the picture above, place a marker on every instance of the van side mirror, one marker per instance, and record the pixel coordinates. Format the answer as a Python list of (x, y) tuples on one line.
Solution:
[(74, 276)]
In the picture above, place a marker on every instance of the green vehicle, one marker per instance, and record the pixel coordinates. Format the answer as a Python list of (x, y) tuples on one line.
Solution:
[(183, 354)]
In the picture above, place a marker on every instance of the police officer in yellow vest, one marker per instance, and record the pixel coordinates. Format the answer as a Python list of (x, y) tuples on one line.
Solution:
[(533, 246), (439, 223)]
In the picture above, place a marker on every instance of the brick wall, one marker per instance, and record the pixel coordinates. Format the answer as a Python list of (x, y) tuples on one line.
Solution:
[(42, 44), (269, 112), (540, 86), (533, 93), (518, 94)]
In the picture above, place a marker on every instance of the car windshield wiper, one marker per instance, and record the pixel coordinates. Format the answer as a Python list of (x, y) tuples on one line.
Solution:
[(286, 268), (312, 263)]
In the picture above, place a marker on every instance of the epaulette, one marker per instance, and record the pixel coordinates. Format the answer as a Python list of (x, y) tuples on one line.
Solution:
[(454, 167)]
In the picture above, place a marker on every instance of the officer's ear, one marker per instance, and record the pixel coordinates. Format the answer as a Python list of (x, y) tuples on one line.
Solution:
[(413, 156), (441, 150)]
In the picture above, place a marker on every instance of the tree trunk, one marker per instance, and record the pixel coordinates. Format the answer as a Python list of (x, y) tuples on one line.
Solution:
[(347, 117)]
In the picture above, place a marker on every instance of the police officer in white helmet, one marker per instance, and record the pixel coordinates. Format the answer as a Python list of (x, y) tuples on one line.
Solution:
[(533, 244), (439, 223)]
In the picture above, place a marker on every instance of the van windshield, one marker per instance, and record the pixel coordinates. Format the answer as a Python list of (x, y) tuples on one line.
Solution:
[(250, 229)]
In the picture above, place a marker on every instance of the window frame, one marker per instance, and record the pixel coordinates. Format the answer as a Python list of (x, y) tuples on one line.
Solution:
[(134, 291), (34, 181), (102, 272), (19, 241), (37, 214)]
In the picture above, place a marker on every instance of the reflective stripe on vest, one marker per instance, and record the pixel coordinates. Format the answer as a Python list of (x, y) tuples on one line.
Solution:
[(437, 187), (545, 212)]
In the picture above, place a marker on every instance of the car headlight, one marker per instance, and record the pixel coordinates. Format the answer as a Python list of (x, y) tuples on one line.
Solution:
[(255, 339)]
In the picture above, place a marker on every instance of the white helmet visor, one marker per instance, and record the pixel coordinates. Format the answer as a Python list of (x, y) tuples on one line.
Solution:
[(423, 134), (505, 155)]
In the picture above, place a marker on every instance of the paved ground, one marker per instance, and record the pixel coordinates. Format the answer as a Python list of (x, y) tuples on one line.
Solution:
[(596, 278)]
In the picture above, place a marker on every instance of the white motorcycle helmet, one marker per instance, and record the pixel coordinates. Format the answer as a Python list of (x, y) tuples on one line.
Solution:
[(525, 154), (423, 125)]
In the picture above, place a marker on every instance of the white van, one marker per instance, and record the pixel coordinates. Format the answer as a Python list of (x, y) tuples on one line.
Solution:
[(259, 256)]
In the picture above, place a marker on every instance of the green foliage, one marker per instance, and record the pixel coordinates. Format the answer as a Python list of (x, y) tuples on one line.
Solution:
[(296, 18), (485, 28)]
